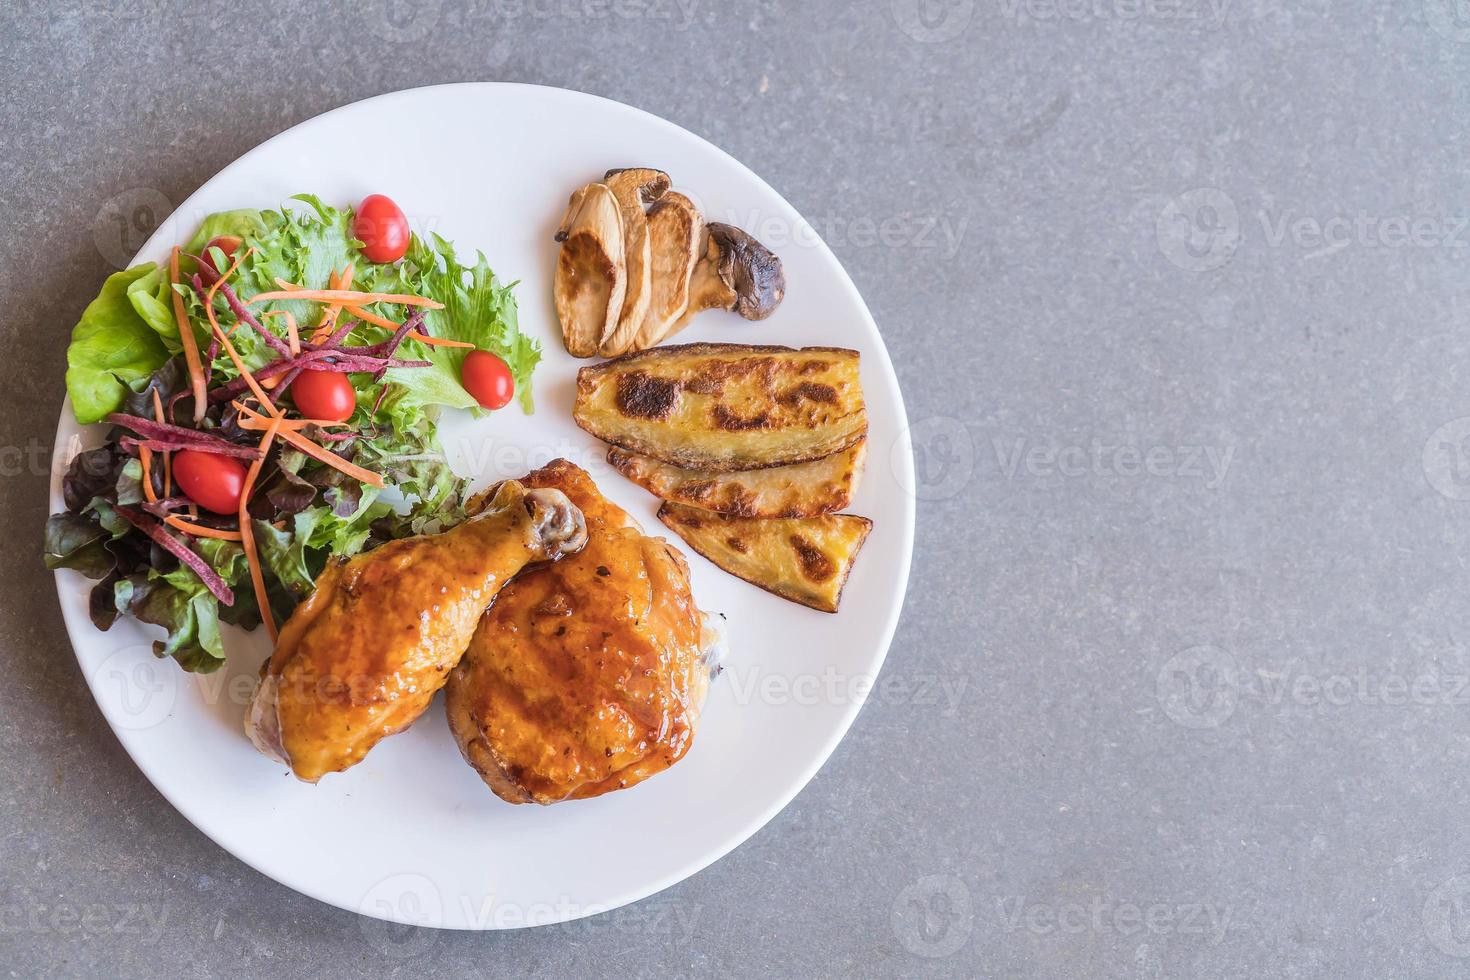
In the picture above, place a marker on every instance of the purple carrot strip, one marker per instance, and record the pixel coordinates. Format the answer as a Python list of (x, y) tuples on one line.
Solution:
[(175, 398), (412, 323), (317, 360), (177, 436), (328, 360), (237, 387), (375, 350), (356, 364), (164, 506), (241, 313), (289, 378), (394, 341), (385, 348), (276, 343), (179, 550), (340, 334), (174, 445)]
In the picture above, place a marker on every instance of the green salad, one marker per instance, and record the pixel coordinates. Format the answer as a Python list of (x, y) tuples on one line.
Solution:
[(273, 432)]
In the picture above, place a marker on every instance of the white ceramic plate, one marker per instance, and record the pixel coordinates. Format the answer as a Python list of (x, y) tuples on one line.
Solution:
[(411, 834)]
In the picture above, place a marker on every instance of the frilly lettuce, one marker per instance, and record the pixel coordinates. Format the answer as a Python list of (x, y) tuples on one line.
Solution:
[(126, 347)]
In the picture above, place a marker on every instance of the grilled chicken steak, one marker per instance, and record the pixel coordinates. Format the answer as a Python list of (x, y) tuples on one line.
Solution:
[(362, 657), (586, 676)]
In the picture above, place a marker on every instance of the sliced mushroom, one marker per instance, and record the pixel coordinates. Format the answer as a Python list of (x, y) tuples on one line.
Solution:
[(633, 188), (649, 183), (574, 205), (676, 234), (707, 291), (591, 272), (751, 270), (735, 272)]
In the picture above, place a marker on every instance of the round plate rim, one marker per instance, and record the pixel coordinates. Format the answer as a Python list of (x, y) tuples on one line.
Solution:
[(902, 460)]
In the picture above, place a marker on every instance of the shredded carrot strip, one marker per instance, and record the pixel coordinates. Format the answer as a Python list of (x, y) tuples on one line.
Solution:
[(424, 338), (224, 338), (293, 343), (199, 530), (197, 380), (293, 291), (255, 387), (209, 296), (253, 421), (247, 536), (229, 272), (342, 280), (290, 430), (293, 339), (331, 459), (260, 423), (168, 466), (145, 456), (373, 318)]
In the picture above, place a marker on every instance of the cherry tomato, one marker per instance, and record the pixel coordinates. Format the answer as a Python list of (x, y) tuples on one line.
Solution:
[(326, 395), (212, 481), (487, 378), (382, 229), (225, 243)]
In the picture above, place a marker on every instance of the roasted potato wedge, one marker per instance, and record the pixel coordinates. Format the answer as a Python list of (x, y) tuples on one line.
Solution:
[(821, 486), (591, 271), (724, 407), (806, 560)]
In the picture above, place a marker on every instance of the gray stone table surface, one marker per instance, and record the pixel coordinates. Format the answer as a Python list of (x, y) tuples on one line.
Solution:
[(1176, 290)]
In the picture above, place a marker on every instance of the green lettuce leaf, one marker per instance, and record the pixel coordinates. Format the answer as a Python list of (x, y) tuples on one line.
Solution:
[(191, 619), (478, 309), (303, 247), (125, 348), (152, 299), (111, 347), (243, 223), (77, 541)]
